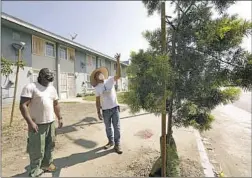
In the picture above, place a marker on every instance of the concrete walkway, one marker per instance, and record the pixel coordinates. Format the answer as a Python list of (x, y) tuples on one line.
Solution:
[(80, 100)]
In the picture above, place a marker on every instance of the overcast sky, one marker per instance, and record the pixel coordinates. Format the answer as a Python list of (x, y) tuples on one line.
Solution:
[(106, 26)]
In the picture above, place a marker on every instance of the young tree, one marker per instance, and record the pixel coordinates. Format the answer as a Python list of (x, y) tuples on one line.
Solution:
[(204, 55), (7, 66)]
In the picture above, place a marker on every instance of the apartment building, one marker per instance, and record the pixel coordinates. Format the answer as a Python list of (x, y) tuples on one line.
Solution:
[(71, 62)]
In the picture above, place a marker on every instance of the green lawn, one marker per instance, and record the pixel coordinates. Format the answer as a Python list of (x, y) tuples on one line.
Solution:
[(92, 98)]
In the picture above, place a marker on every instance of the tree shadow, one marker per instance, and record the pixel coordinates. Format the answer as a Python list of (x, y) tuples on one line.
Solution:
[(99, 122), (87, 121), (83, 142), (72, 128), (79, 158)]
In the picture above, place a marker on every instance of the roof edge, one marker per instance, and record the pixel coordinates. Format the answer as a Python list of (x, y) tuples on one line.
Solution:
[(53, 35)]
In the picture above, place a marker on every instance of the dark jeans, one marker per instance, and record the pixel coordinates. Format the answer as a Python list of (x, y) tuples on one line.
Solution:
[(111, 117)]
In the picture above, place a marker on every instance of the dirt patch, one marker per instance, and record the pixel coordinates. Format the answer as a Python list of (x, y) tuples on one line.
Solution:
[(137, 164), (190, 168), (140, 165)]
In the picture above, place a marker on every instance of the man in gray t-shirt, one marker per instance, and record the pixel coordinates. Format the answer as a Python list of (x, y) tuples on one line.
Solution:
[(106, 100)]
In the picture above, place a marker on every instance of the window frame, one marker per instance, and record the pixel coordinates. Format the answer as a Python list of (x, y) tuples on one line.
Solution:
[(64, 48), (40, 40), (54, 48)]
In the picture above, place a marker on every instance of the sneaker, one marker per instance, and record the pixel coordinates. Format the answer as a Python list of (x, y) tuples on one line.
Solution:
[(37, 173), (118, 149), (108, 145), (50, 168)]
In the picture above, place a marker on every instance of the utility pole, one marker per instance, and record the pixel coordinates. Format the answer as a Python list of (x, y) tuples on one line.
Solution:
[(163, 117)]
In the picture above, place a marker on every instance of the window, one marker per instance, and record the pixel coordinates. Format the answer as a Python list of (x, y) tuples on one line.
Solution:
[(71, 54), (50, 49), (63, 53), (63, 82), (89, 60), (99, 64), (38, 46), (115, 66)]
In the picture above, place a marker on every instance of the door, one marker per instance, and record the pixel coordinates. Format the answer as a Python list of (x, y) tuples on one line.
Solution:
[(35, 76), (63, 85), (71, 85)]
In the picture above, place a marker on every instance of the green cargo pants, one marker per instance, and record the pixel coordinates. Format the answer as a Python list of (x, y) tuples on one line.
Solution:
[(40, 148)]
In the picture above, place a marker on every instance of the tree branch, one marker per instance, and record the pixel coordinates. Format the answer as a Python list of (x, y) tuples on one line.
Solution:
[(215, 57), (184, 13), (170, 23), (177, 4)]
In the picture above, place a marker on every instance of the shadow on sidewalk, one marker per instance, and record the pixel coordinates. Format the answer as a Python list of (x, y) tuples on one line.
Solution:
[(79, 158), (72, 128), (99, 122), (72, 160), (88, 121)]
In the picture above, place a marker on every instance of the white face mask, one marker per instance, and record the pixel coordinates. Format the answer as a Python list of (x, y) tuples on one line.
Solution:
[(101, 76)]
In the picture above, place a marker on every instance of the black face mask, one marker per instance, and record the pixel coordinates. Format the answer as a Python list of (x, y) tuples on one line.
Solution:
[(45, 76), (49, 78)]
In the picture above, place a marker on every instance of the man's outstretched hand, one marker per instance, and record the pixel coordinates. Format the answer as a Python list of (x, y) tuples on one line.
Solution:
[(117, 56)]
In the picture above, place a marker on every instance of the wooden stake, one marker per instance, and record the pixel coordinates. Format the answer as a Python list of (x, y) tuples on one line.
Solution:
[(163, 124), (15, 89)]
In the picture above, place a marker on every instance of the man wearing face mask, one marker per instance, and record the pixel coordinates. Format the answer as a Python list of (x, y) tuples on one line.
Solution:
[(39, 103), (106, 100)]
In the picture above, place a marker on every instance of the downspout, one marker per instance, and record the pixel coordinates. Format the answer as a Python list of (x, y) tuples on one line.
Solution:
[(58, 70), (96, 64)]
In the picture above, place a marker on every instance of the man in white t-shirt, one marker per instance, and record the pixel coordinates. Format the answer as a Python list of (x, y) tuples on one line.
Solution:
[(39, 103), (106, 100)]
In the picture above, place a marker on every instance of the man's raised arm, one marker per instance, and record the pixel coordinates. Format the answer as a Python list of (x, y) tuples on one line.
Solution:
[(118, 67)]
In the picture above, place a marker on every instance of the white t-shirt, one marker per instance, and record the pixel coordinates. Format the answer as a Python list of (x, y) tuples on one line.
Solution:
[(107, 93), (41, 106)]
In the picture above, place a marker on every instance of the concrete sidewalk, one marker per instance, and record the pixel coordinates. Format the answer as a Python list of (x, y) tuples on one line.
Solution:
[(80, 100), (80, 153)]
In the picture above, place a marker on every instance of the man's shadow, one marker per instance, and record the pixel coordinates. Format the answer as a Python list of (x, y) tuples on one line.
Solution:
[(73, 160), (79, 158)]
